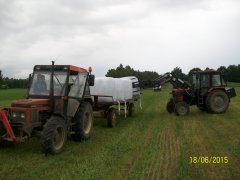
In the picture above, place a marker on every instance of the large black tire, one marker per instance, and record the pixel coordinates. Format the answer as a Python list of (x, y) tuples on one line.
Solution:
[(131, 109), (170, 106), (217, 102), (112, 117), (54, 135), (83, 122), (181, 108)]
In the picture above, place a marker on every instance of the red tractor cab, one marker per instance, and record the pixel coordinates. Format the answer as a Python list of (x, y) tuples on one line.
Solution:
[(211, 91), (208, 91), (58, 104)]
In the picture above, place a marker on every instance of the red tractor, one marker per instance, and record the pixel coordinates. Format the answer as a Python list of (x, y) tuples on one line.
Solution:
[(208, 91), (58, 105)]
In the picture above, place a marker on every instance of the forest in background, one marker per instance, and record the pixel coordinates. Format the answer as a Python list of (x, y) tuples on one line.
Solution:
[(232, 74)]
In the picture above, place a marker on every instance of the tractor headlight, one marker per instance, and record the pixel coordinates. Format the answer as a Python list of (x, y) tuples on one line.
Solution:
[(14, 114), (22, 115)]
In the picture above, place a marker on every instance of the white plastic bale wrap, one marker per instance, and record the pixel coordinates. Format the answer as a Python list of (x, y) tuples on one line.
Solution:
[(119, 89), (135, 85)]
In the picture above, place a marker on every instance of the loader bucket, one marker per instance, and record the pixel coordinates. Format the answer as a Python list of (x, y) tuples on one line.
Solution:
[(3, 118)]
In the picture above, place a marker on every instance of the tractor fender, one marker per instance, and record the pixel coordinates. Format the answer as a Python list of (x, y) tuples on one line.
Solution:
[(216, 88), (219, 88), (59, 115)]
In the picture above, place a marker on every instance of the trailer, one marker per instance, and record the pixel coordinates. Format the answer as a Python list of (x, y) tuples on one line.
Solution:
[(111, 95), (111, 110)]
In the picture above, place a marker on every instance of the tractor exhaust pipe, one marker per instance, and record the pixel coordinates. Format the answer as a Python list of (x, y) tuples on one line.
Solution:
[(52, 88)]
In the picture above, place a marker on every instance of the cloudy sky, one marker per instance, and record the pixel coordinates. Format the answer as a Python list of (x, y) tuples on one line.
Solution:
[(151, 35)]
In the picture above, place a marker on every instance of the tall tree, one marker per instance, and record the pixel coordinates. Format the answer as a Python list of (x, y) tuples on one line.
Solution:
[(177, 71), (222, 69)]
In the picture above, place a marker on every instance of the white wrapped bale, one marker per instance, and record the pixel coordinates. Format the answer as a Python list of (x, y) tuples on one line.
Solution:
[(135, 86), (118, 89)]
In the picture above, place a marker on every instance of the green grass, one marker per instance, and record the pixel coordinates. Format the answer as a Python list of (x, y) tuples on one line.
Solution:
[(7, 96), (151, 145)]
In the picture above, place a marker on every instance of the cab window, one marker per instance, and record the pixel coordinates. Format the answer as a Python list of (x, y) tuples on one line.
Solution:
[(77, 88), (216, 80)]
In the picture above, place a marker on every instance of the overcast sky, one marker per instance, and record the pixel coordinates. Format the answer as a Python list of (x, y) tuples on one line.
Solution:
[(155, 35)]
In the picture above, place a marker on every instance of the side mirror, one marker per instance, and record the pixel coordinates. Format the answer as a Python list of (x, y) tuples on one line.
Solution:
[(91, 80)]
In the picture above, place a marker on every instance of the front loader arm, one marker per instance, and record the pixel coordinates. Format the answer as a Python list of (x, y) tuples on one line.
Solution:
[(5, 122), (170, 77)]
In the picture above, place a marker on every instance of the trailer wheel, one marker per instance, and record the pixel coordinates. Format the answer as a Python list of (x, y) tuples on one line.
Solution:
[(112, 117), (217, 101), (54, 135), (202, 108), (170, 106), (83, 122), (131, 109), (181, 108)]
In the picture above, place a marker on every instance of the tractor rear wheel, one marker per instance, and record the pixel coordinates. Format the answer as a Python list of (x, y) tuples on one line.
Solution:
[(181, 108), (83, 122), (131, 109), (112, 117), (217, 101), (170, 106), (54, 135)]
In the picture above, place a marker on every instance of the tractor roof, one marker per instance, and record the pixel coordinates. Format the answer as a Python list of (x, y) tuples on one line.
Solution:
[(60, 67), (210, 71)]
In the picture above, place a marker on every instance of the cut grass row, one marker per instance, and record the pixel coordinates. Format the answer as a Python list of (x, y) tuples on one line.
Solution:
[(151, 145)]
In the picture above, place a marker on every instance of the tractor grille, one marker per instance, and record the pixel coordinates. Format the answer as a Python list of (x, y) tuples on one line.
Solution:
[(18, 117)]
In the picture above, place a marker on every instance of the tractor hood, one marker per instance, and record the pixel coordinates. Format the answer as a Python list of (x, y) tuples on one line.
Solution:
[(30, 103)]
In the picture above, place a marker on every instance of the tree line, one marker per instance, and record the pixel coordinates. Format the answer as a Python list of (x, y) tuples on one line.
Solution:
[(232, 74), (145, 77), (6, 82)]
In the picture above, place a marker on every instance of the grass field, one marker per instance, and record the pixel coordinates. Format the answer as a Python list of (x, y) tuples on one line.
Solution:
[(151, 145)]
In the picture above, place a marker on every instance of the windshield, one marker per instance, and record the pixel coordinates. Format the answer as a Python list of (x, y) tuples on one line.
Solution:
[(41, 83), (78, 85)]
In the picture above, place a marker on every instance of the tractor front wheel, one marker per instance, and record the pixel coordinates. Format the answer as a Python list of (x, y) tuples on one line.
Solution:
[(83, 122), (217, 101), (170, 106), (181, 108), (54, 135)]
